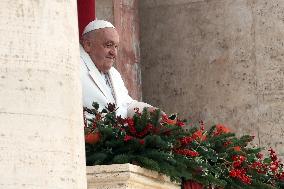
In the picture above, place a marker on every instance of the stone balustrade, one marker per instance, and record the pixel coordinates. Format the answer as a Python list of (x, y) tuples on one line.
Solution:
[(126, 176)]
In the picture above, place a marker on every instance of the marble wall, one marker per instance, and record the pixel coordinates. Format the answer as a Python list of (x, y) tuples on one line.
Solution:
[(220, 61)]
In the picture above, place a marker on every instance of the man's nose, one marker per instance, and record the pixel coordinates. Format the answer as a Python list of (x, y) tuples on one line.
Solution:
[(113, 51)]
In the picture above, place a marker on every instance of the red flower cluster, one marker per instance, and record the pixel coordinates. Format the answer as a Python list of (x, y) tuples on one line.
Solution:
[(275, 165), (280, 176), (241, 175), (238, 160), (237, 148), (274, 168), (239, 172), (180, 123), (227, 143), (197, 135), (131, 126), (147, 129), (141, 141), (259, 167), (127, 138), (220, 129), (186, 140), (259, 155), (133, 130), (186, 152)]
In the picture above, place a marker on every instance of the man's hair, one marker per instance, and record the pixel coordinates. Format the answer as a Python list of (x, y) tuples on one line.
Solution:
[(88, 36)]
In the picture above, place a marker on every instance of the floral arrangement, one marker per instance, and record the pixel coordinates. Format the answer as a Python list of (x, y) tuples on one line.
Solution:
[(187, 153)]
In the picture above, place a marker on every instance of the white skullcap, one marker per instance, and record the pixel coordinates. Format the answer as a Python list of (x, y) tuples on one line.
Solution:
[(97, 24)]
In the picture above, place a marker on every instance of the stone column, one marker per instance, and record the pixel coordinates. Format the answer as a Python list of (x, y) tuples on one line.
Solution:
[(41, 130)]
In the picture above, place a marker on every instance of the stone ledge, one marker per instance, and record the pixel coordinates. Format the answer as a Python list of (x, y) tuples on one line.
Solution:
[(126, 176)]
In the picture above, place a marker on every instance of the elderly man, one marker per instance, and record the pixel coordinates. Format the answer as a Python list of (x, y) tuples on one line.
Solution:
[(101, 82)]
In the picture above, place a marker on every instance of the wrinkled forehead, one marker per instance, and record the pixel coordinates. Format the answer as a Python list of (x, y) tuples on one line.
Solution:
[(106, 34)]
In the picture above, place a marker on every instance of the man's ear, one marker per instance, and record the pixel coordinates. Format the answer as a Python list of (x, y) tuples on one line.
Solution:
[(86, 45)]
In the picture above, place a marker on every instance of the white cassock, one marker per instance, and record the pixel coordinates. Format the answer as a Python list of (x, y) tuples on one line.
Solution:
[(95, 88)]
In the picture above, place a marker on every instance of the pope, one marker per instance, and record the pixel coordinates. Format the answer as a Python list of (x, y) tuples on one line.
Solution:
[(101, 82)]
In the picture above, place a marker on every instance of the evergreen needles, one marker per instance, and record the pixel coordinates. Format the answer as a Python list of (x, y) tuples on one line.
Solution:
[(214, 157)]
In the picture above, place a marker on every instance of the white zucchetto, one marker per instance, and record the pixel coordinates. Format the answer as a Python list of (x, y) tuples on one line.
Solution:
[(97, 24)]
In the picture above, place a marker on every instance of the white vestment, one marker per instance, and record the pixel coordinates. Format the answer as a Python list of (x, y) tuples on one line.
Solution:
[(95, 88)]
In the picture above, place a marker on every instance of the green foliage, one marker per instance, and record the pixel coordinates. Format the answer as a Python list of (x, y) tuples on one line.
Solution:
[(159, 142)]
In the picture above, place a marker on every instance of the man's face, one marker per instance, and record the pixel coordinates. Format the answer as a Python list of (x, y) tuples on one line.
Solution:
[(102, 47)]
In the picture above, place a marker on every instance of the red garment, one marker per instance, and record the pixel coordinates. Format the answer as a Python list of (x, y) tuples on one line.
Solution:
[(86, 13)]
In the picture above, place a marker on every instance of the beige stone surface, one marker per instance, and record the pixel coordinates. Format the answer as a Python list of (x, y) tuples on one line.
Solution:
[(104, 10), (126, 176), (41, 143), (220, 61), (126, 19)]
